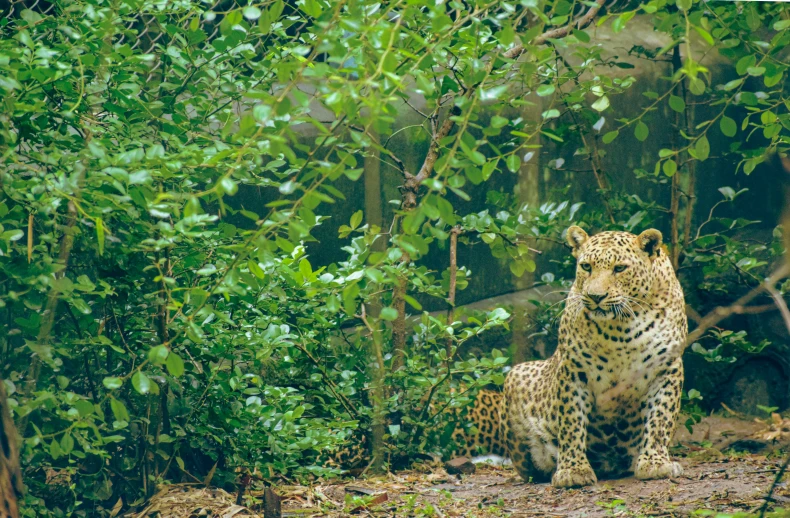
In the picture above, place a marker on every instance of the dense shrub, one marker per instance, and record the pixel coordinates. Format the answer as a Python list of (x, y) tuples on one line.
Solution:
[(156, 329)]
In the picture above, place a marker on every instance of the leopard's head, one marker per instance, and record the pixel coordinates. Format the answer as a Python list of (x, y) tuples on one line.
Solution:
[(614, 272)]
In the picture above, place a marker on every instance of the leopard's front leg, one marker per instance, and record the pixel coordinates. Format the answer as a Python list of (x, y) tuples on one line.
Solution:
[(660, 414), (572, 408)]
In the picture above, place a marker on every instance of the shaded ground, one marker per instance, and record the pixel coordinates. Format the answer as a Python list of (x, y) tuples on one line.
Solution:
[(725, 486), (721, 483), (713, 482)]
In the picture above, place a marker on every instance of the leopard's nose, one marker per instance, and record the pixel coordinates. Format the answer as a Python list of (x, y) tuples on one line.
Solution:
[(597, 298)]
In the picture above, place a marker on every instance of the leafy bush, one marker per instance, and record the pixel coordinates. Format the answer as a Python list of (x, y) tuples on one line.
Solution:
[(159, 329)]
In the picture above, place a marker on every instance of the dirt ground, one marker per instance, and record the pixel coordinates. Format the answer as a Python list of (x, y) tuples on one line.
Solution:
[(717, 481), (712, 481), (724, 486)]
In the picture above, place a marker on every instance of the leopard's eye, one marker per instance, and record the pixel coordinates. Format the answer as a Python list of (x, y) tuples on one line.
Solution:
[(586, 267), (620, 268)]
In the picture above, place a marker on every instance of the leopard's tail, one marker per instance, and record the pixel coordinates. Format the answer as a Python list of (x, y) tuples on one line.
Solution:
[(485, 416)]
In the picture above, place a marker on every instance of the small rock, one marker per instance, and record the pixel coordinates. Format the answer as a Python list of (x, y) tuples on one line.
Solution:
[(460, 466)]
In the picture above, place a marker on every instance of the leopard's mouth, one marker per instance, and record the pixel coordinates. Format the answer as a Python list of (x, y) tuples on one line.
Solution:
[(611, 310), (603, 310)]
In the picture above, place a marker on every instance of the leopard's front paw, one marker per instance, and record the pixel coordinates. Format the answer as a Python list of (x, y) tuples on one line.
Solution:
[(576, 476), (651, 468)]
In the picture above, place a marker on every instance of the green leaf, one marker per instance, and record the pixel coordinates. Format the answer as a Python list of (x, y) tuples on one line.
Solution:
[(697, 86), (412, 302), (732, 85), (80, 305), (256, 269), (702, 147), (333, 303), (356, 219), (548, 134), (350, 294), (772, 80), (67, 443), (683, 5), (157, 355), (601, 104), (252, 13), (744, 64), (670, 167), (545, 90), (498, 122), (228, 185), (175, 365), (727, 192), (550, 114), (609, 137), (389, 314), (619, 23), (517, 268), (488, 169), (493, 93), (513, 163), (641, 131), (749, 165), (112, 382), (100, 234), (705, 35), (142, 383), (54, 450), (581, 36), (84, 407), (677, 103), (306, 269), (12, 235), (781, 25), (728, 126), (119, 410)]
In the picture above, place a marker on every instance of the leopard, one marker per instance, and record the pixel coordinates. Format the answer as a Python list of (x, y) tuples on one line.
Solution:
[(606, 402)]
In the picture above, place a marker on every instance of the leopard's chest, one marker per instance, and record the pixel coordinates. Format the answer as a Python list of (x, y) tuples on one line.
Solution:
[(621, 360)]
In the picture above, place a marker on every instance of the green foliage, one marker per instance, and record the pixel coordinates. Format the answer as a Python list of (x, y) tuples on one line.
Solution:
[(158, 328)]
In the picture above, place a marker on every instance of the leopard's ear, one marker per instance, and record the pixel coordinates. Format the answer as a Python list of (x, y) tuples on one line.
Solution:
[(649, 241), (576, 237)]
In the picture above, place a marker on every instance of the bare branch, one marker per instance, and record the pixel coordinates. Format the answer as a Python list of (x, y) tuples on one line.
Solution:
[(780, 304), (433, 153), (720, 313)]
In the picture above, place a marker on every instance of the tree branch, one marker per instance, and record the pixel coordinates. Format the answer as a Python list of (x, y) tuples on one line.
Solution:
[(720, 313), (559, 32)]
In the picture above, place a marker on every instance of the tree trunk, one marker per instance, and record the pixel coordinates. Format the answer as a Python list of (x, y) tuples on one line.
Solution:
[(10, 474)]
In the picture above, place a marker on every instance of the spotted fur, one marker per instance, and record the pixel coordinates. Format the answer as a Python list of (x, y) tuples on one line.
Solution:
[(480, 431), (606, 402), (477, 432)]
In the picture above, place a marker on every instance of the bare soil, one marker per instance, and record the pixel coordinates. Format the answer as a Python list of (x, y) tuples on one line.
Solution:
[(712, 481), (716, 482), (724, 486)]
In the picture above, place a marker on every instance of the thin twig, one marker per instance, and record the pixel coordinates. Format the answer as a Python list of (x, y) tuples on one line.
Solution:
[(777, 478)]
